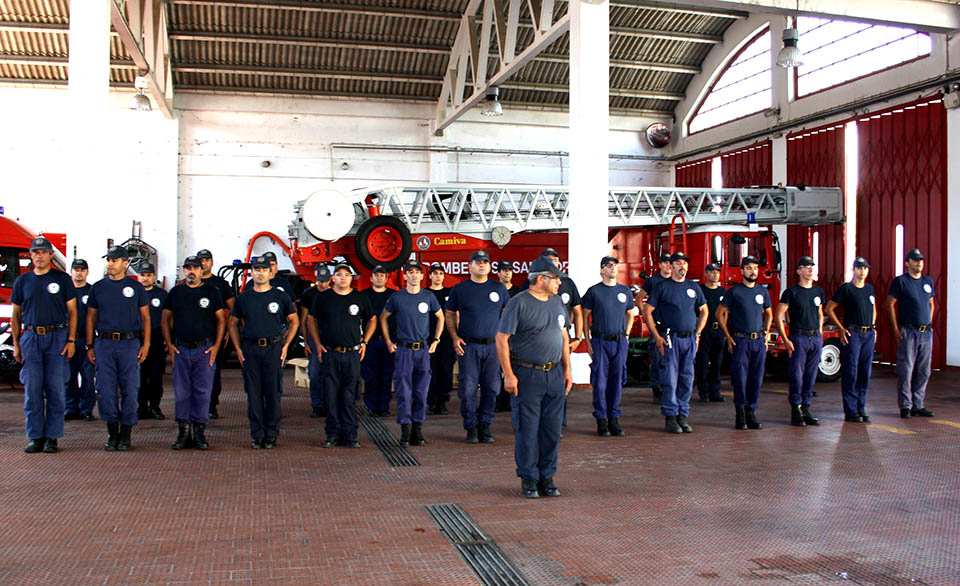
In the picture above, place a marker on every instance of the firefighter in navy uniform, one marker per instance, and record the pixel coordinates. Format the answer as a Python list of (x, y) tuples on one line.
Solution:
[(226, 294), (151, 371), (117, 315), (472, 312), (683, 315), (803, 303), (610, 305), (341, 324), (858, 336), (314, 366), (80, 396), (415, 343), (265, 312), (441, 361), (377, 366), (910, 309), (194, 323), (666, 267), (276, 281), (745, 316), (710, 348), (43, 303), (534, 352), (505, 274)]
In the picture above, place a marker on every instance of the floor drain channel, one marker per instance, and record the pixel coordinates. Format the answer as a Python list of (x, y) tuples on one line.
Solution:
[(385, 441), (484, 557)]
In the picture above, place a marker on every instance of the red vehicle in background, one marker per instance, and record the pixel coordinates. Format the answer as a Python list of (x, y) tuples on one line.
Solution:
[(387, 225)]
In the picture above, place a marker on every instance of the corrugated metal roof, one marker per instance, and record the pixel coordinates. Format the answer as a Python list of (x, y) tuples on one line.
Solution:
[(394, 49)]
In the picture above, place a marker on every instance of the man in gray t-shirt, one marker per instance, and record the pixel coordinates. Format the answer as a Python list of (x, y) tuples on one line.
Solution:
[(532, 343)]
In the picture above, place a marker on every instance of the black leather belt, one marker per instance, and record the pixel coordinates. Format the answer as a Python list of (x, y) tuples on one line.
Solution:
[(715, 325), (44, 330), (860, 329), (117, 336), (613, 338), (682, 334), (480, 340), (195, 344), (345, 349), (264, 341), (916, 327), (413, 345), (808, 332), (544, 367), (749, 335)]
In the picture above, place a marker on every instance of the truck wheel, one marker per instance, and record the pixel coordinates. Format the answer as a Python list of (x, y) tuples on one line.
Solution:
[(383, 240), (829, 370)]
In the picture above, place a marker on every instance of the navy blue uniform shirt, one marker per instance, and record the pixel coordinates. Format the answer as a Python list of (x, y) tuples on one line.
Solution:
[(118, 304), (535, 328), (308, 297), (412, 311), (43, 298), (650, 282), (609, 304), (226, 291), (441, 294), (746, 306), (155, 297), (714, 297), (677, 304), (568, 292), (264, 314), (857, 303), (378, 300), (913, 299), (804, 306), (278, 283), (194, 312), (341, 319), (480, 305), (82, 294)]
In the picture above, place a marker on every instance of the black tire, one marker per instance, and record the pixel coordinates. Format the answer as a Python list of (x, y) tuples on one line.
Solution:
[(829, 369), (397, 255)]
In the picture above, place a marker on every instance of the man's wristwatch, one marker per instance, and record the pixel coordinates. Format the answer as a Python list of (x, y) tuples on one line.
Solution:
[(71, 341)]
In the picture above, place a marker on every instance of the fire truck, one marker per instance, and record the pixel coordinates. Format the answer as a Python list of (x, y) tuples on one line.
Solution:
[(389, 224)]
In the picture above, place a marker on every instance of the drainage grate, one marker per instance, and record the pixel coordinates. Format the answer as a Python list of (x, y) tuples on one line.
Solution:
[(385, 441), (484, 557)]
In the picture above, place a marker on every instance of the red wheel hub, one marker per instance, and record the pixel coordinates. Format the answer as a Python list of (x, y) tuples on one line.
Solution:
[(384, 243)]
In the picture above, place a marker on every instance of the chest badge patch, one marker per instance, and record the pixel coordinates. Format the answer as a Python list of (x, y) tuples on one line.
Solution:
[(423, 307), (281, 289), (154, 302), (759, 299), (691, 294), (816, 301), (927, 288), (83, 299), (494, 296), (873, 300), (560, 321), (353, 309), (273, 307), (622, 297), (128, 292), (565, 297), (53, 288), (204, 302)]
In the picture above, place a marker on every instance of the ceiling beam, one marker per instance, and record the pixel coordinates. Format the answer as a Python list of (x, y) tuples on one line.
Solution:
[(149, 46), (12, 26), (690, 9), (628, 64), (926, 15), (56, 61), (665, 35), (300, 6), (214, 37)]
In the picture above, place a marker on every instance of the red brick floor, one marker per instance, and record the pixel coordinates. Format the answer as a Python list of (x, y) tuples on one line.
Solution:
[(878, 503)]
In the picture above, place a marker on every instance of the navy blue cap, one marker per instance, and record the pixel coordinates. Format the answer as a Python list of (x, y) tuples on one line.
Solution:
[(412, 264), (378, 269), (437, 267), (40, 243), (480, 255), (79, 263), (749, 259), (549, 252), (258, 262), (606, 259), (192, 261), (679, 256), (205, 254), (914, 254), (545, 265), (805, 261), (343, 266), (504, 265), (712, 267), (323, 273), (664, 258), (860, 262), (269, 256), (115, 252), (147, 267)]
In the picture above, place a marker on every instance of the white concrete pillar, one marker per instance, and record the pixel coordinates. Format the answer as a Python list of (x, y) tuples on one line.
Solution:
[(952, 303), (589, 139), (778, 148), (89, 65)]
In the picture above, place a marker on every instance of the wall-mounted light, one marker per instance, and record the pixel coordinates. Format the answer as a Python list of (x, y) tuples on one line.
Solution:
[(140, 102), (491, 103)]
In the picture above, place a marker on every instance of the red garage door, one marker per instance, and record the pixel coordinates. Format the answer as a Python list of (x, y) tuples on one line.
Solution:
[(697, 173), (815, 157), (752, 165), (903, 182)]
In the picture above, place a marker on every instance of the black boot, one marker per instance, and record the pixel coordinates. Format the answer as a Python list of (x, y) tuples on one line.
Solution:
[(50, 446), (485, 436), (602, 429), (807, 417), (546, 487), (751, 416), (199, 439), (123, 443), (613, 424), (473, 436), (741, 418), (672, 425), (796, 417), (657, 396), (528, 487), (113, 437), (35, 446), (416, 434), (183, 437), (404, 434), (682, 422), (717, 398)]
